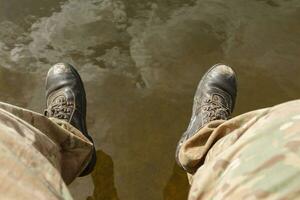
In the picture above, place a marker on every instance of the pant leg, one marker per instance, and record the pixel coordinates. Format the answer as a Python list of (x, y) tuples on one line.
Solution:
[(38, 156), (253, 156)]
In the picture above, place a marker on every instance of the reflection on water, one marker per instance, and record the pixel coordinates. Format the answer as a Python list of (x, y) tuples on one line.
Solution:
[(141, 62), (178, 186), (103, 178)]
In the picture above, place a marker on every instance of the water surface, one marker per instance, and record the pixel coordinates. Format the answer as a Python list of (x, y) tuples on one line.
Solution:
[(141, 62)]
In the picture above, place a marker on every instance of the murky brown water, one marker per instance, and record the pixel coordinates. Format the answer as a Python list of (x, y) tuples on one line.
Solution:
[(141, 62)]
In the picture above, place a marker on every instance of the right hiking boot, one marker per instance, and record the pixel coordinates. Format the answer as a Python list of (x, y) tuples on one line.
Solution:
[(214, 100)]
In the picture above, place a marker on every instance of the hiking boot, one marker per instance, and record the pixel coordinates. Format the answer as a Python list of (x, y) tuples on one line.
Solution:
[(66, 100), (214, 100)]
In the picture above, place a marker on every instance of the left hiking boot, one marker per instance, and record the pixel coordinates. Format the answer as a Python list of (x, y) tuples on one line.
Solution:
[(66, 100), (214, 100)]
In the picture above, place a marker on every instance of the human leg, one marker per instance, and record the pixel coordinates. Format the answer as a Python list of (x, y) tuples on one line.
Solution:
[(40, 155), (255, 155)]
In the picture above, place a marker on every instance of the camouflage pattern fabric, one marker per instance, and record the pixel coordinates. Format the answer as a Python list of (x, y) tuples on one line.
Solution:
[(38, 156), (252, 156)]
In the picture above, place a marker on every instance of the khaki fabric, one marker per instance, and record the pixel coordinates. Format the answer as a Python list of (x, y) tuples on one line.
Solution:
[(252, 156), (38, 155)]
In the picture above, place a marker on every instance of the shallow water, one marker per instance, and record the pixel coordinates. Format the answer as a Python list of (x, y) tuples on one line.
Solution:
[(141, 62)]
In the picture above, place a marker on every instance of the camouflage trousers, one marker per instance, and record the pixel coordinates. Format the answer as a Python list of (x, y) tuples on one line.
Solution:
[(38, 156), (252, 156)]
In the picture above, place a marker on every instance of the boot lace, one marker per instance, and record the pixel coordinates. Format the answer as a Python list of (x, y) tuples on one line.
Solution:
[(214, 108), (60, 108)]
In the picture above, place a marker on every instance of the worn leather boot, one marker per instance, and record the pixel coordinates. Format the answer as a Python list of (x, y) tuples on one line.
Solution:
[(66, 100), (214, 100)]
